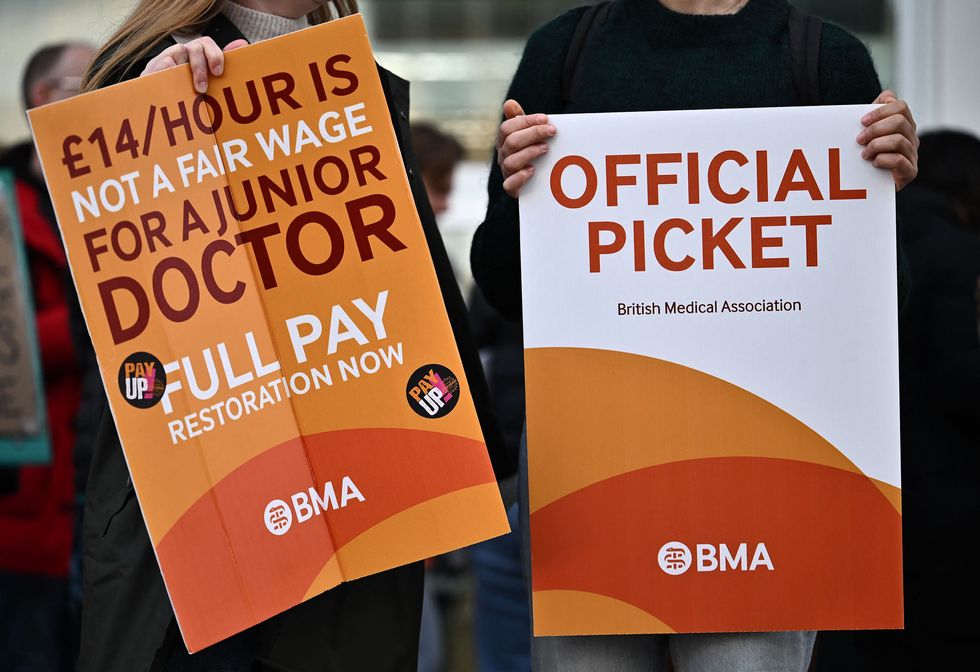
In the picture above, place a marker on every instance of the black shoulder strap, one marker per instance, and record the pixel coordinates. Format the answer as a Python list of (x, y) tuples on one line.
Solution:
[(591, 19), (804, 50)]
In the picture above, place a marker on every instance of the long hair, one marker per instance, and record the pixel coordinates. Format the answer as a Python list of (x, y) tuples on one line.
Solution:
[(153, 20)]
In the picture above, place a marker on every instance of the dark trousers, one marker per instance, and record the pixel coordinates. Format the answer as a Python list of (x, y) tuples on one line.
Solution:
[(502, 618), (33, 615), (368, 624)]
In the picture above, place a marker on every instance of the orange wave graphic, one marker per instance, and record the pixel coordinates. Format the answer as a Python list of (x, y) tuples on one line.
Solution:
[(833, 540), (415, 532), (580, 613), (255, 585), (679, 455), (657, 412)]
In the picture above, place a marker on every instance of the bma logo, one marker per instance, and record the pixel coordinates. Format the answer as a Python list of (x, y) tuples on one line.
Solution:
[(308, 504), (278, 517), (675, 558)]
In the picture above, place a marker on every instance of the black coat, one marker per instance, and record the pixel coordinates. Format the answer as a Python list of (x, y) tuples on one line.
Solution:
[(939, 351), (940, 383), (369, 624)]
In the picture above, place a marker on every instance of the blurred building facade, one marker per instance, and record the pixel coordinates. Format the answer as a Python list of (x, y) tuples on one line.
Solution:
[(461, 54)]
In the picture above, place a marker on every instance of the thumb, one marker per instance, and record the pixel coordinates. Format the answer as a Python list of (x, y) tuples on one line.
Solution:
[(886, 96), (512, 109), (235, 45)]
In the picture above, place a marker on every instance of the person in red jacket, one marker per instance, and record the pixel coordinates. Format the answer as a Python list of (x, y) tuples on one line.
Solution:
[(37, 518)]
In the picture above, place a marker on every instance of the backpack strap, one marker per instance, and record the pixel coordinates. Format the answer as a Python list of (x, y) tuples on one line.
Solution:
[(593, 17), (804, 51)]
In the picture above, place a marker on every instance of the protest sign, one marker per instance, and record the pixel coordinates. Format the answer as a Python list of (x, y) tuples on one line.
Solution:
[(710, 324), (23, 418), (269, 325)]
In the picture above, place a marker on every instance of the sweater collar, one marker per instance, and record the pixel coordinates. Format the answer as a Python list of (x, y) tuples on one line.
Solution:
[(256, 26), (757, 17)]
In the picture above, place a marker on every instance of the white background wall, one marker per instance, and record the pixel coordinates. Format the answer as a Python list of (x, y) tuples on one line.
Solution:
[(937, 53), (938, 61), (933, 62)]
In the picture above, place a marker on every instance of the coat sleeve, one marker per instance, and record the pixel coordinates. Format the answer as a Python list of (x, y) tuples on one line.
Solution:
[(495, 256), (54, 338), (504, 461)]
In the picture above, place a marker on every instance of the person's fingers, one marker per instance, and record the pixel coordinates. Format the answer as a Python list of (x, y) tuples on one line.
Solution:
[(519, 123), (158, 64), (887, 126), (168, 58), (890, 144), (518, 140), (178, 53), (214, 56), (903, 171), (514, 183), (204, 55), (512, 109), (199, 65), (518, 160), (899, 164), (236, 44), (888, 109), (885, 96), (894, 162)]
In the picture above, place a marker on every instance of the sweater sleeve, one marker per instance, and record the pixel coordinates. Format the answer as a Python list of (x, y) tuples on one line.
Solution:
[(848, 77), (495, 256), (847, 72)]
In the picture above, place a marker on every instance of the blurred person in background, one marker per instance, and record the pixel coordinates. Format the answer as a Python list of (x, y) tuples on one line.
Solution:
[(36, 519), (939, 350), (8, 475), (668, 55), (437, 154), (501, 610), (500, 606)]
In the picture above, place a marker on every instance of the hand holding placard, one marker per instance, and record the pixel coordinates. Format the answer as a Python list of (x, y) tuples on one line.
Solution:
[(261, 298)]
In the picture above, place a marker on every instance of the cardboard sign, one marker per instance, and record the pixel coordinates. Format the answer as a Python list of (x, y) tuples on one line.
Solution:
[(710, 323), (23, 418), (269, 326)]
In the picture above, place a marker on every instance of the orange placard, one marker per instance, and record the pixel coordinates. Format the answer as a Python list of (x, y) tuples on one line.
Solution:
[(269, 326)]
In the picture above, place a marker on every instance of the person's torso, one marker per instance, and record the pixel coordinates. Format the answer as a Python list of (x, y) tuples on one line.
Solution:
[(644, 57)]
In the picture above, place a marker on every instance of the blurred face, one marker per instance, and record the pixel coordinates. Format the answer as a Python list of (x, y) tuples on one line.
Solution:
[(704, 6), (65, 78), (438, 189)]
